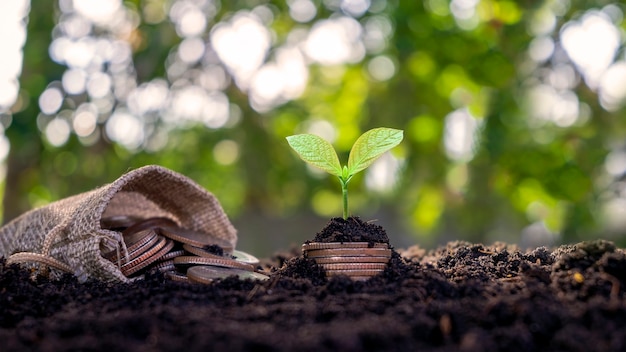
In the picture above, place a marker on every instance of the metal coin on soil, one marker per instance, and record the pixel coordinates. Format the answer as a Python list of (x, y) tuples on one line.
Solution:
[(353, 266), (244, 257), (346, 259), (147, 224), (206, 274), (223, 262), (352, 273), (138, 239), (194, 238), (165, 266), (352, 252), (168, 247), (201, 252), (137, 248), (144, 247), (138, 263), (172, 255), (176, 276), (335, 245)]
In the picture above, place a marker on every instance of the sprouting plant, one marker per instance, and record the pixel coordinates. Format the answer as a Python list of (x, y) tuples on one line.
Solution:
[(367, 148)]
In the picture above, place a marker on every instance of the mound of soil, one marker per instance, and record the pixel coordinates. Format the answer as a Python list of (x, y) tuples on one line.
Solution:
[(352, 229), (461, 297)]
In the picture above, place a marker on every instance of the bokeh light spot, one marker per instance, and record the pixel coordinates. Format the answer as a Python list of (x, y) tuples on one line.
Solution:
[(381, 68), (226, 152), (50, 100), (57, 132)]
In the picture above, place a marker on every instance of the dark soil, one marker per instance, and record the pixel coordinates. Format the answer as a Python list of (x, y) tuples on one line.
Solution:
[(352, 229), (462, 297)]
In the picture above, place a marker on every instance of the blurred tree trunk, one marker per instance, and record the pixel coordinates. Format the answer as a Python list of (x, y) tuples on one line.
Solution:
[(23, 134)]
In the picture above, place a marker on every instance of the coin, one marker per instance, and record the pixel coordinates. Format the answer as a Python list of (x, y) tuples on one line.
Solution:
[(194, 238), (206, 274), (118, 221), (346, 259), (353, 266), (200, 251), (143, 239), (138, 263), (223, 262), (142, 245), (138, 248), (245, 257), (335, 245), (149, 223), (352, 252), (164, 266), (135, 237), (172, 255), (176, 276), (352, 273), (151, 259)]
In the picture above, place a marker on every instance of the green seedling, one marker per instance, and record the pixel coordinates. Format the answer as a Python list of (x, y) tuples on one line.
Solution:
[(367, 148)]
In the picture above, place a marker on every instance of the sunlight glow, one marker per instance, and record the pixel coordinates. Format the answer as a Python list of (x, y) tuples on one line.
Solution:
[(615, 163), (335, 41), (242, 44), (226, 152), (148, 97), (125, 129), (99, 85), (12, 39), (302, 10), (279, 81), (191, 50), (74, 81), (194, 104), (355, 8), (377, 32), (541, 48), (460, 136), (612, 89), (383, 174), (84, 123), (381, 68), (50, 100), (546, 103), (57, 132), (591, 44), (98, 11)]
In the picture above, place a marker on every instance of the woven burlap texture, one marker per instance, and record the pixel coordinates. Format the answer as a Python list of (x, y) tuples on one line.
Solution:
[(69, 229)]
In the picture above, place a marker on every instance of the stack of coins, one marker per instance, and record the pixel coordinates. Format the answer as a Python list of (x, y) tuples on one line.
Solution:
[(357, 260), (182, 254)]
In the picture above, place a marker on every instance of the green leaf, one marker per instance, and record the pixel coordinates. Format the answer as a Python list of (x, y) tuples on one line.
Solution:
[(371, 145), (316, 151)]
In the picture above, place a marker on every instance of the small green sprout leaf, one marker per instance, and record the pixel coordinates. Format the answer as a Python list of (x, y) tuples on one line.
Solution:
[(371, 145), (367, 148), (345, 173), (316, 151)]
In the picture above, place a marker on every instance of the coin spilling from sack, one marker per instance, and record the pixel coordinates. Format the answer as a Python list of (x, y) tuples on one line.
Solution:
[(357, 260), (182, 254)]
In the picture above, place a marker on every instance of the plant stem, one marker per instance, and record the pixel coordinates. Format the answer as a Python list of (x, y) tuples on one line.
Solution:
[(344, 192)]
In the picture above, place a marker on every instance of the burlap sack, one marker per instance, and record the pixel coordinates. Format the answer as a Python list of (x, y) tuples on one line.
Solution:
[(69, 230)]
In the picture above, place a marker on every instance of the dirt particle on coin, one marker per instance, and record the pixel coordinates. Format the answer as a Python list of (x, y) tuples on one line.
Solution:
[(214, 249)]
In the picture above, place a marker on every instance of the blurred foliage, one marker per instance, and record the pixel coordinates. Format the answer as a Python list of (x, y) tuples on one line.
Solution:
[(518, 173)]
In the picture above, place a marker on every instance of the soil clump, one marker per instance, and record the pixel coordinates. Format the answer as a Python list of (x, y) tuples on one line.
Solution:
[(352, 229), (460, 297)]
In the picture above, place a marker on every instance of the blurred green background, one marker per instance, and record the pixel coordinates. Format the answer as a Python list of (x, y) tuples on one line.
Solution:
[(513, 111)]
